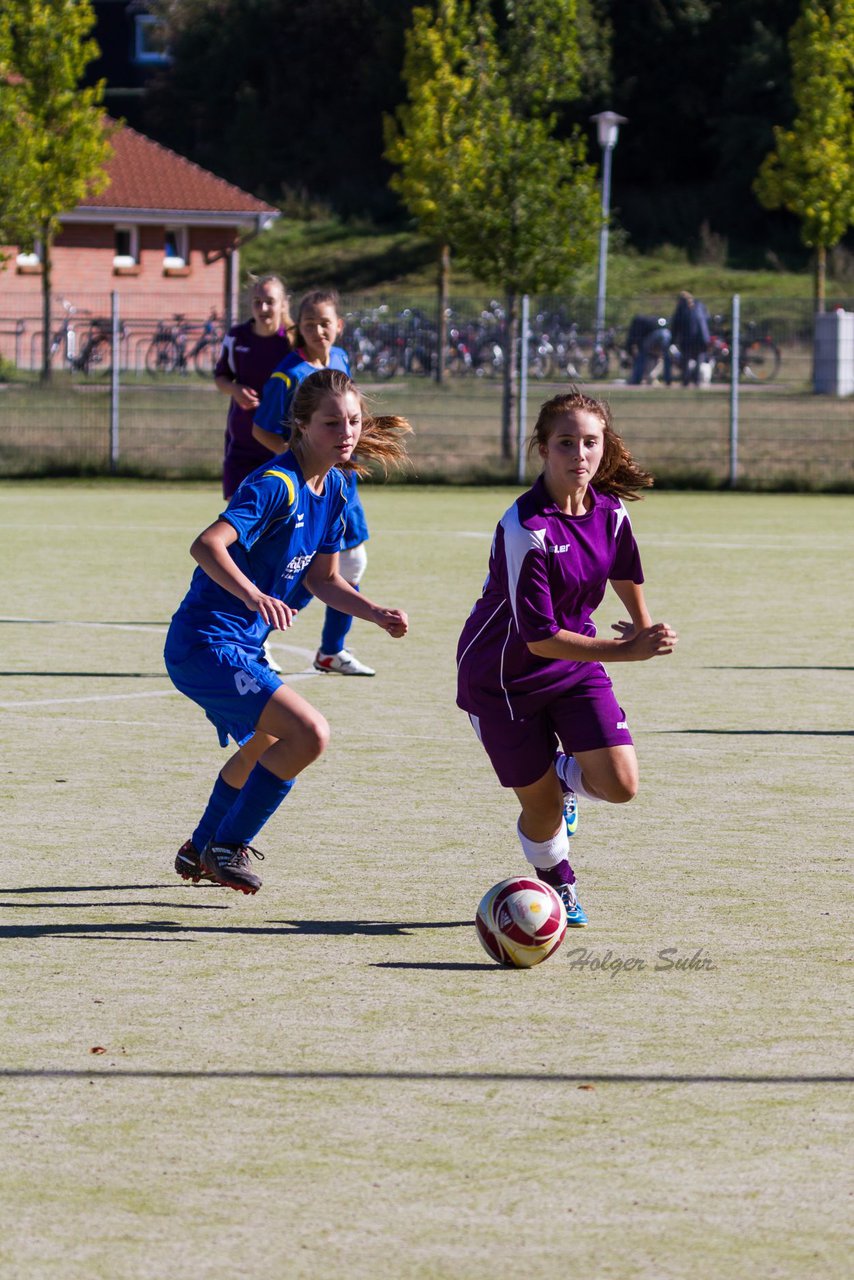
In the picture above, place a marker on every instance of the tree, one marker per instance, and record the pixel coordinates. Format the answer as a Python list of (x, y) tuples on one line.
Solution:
[(53, 136), (810, 172), (421, 136), (525, 206)]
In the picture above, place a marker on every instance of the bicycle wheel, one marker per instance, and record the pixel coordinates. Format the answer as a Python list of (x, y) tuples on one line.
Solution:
[(95, 351), (761, 360), (161, 356), (205, 357)]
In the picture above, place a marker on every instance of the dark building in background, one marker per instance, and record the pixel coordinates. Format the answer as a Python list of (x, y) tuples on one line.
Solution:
[(133, 47)]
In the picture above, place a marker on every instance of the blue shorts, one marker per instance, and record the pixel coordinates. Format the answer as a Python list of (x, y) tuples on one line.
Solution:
[(230, 685), (586, 718)]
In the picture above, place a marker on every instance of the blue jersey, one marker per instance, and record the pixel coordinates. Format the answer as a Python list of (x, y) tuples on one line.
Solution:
[(281, 525), (274, 410)]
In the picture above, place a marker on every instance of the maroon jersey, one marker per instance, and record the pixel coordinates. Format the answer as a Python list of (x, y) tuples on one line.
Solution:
[(248, 359), (547, 572)]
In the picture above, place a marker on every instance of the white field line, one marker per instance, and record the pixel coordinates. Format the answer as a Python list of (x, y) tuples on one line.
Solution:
[(153, 629)]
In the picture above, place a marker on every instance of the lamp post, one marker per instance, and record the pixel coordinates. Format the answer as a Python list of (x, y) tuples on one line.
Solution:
[(607, 130)]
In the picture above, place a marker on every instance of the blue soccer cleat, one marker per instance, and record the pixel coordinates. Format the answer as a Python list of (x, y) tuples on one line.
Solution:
[(576, 916), (570, 812)]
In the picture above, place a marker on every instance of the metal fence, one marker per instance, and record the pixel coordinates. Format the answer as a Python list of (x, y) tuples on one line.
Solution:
[(154, 410)]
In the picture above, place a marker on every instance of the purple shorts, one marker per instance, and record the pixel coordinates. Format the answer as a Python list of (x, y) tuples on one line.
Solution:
[(584, 719)]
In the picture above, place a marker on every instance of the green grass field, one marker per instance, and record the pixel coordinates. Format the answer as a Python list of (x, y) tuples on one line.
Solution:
[(331, 1077)]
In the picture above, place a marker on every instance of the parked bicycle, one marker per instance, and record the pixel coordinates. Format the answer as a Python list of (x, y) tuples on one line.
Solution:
[(65, 337), (759, 356), (170, 350)]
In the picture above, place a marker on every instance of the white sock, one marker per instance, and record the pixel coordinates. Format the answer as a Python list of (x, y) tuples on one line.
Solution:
[(545, 853), (569, 771)]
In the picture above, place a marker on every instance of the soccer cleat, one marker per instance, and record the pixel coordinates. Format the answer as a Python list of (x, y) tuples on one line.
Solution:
[(228, 864), (343, 663), (576, 916), (188, 863), (269, 659), (570, 812)]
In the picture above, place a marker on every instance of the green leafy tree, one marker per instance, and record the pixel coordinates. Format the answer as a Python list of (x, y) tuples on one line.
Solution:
[(421, 136), (53, 137), (480, 165), (810, 172), (526, 208)]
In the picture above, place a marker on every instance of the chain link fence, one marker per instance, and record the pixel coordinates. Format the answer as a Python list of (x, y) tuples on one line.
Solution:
[(154, 411)]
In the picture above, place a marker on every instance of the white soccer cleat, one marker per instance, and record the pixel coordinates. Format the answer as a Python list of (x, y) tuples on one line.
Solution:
[(342, 664)]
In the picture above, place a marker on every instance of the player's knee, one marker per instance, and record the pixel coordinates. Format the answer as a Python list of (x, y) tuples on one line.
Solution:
[(315, 735), (622, 788)]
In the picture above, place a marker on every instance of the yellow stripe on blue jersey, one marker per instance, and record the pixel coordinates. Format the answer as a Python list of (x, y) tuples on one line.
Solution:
[(283, 476)]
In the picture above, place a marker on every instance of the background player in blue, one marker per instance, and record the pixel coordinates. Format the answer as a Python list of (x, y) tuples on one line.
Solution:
[(530, 670), (278, 536), (318, 325)]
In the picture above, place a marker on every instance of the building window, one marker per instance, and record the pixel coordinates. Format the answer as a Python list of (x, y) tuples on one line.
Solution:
[(176, 252), (31, 260), (150, 40), (126, 247)]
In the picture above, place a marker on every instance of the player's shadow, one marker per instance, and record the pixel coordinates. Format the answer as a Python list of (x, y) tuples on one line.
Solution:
[(370, 928), (765, 733), (93, 888), (76, 906), (781, 666), (446, 965), (89, 675), (173, 930)]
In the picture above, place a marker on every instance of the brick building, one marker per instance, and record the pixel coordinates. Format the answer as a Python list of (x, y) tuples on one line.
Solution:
[(164, 235)]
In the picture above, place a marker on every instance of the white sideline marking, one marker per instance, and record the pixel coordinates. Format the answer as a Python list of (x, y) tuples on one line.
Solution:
[(27, 704), (151, 628)]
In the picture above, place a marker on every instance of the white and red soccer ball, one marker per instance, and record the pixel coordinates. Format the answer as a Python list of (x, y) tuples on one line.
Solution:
[(521, 921)]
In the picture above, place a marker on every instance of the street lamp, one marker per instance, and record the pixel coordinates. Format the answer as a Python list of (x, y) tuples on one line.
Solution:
[(607, 130)]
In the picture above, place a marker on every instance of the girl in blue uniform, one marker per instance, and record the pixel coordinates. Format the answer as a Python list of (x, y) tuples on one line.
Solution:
[(318, 326), (277, 540)]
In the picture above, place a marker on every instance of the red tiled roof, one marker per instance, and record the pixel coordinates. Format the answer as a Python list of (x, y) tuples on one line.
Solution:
[(144, 175)]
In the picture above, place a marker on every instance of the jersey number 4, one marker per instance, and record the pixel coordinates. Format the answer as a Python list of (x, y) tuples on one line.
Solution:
[(246, 683)]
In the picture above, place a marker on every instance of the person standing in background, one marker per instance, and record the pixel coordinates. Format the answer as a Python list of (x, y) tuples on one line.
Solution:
[(689, 328), (250, 353)]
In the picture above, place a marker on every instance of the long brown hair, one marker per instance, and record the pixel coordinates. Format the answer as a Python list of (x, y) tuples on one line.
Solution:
[(315, 298), (618, 472), (382, 437)]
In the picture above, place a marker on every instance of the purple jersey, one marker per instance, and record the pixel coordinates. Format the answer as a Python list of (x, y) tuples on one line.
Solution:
[(547, 572), (248, 359)]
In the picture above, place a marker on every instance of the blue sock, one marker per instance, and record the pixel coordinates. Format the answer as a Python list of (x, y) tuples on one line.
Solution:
[(259, 799), (335, 629), (222, 798)]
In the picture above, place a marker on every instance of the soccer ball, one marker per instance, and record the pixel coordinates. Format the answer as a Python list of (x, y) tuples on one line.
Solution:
[(521, 922)]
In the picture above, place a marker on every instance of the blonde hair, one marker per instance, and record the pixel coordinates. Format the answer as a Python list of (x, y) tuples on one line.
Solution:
[(618, 473), (381, 440), (270, 277)]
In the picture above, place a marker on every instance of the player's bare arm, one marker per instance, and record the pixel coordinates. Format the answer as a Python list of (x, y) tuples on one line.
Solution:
[(210, 551), (325, 582), (269, 439), (654, 641), (631, 595)]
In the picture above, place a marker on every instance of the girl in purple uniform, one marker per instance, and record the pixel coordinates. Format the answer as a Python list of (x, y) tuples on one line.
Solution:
[(530, 671), (250, 353)]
